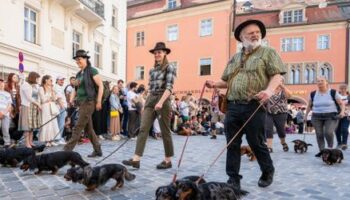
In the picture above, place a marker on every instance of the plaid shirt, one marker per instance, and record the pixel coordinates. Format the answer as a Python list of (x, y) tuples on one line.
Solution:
[(161, 80)]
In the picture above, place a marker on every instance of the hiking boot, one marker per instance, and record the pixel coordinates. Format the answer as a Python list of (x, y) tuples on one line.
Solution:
[(266, 179), (130, 162), (95, 154), (164, 165)]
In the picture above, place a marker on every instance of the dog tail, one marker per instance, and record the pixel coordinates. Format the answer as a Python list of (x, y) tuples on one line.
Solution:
[(239, 192), (309, 144), (39, 148), (129, 176)]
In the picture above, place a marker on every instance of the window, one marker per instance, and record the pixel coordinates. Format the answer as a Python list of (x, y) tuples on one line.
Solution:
[(76, 42), (172, 33), (30, 25), (205, 67), (171, 4), (326, 71), (206, 27), (140, 73), (310, 73), (323, 42), (114, 17), (114, 62), (295, 74), (293, 16), (287, 17), (140, 39), (292, 44), (98, 55)]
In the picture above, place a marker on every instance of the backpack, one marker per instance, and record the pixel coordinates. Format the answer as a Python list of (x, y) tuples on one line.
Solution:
[(333, 93)]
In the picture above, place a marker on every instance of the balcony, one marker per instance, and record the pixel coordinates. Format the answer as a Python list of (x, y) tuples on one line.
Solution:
[(96, 6), (93, 11)]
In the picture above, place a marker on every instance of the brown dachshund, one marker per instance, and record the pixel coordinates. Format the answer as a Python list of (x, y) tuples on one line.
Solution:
[(245, 149)]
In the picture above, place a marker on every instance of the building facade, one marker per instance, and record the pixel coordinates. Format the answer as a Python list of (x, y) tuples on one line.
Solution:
[(48, 32), (312, 37)]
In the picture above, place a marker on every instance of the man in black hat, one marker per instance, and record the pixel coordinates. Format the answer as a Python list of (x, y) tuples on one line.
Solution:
[(162, 77), (87, 80), (251, 77)]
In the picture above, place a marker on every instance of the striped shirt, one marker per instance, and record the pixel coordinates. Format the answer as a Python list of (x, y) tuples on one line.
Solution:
[(255, 73), (161, 80)]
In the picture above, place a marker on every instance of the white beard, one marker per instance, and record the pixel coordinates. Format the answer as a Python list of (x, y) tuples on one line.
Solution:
[(251, 45)]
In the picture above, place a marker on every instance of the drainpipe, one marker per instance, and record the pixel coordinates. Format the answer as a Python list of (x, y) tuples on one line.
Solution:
[(347, 61)]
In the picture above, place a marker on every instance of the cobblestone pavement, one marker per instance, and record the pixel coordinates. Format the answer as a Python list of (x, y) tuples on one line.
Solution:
[(297, 176)]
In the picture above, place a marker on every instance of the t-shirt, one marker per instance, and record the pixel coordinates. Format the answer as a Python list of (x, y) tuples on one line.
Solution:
[(184, 108), (5, 101), (81, 92), (324, 103), (131, 95), (60, 94)]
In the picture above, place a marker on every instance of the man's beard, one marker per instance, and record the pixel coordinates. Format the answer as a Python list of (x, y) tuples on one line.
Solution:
[(251, 45)]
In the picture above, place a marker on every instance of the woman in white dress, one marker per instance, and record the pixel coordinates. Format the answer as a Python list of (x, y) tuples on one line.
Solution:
[(48, 97)]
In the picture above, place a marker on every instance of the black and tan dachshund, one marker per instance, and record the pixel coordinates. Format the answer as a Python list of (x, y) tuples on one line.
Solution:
[(13, 156), (168, 192), (300, 146), (188, 190), (331, 156), (93, 177), (53, 161)]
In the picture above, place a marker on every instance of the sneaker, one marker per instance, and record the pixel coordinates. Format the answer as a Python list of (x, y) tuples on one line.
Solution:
[(266, 179), (95, 154), (101, 137), (133, 138), (235, 182), (130, 162), (213, 137), (164, 165), (339, 146)]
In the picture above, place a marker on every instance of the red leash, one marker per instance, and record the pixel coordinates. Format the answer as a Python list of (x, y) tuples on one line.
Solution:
[(187, 137)]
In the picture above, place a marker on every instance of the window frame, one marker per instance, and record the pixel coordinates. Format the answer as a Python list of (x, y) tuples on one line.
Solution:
[(98, 54), (140, 39), (211, 27), (318, 42), (114, 17), (114, 62), (172, 4), (27, 20), (75, 43), (168, 33), (139, 71), (200, 66)]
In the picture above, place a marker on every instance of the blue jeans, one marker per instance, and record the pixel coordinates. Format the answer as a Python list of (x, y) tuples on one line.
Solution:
[(61, 120), (342, 131), (236, 116)]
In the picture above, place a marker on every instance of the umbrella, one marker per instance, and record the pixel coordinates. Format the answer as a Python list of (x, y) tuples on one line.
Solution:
[(297, 99)]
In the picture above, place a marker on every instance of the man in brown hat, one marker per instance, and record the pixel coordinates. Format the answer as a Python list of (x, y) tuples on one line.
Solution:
[(87, 80), (162, 77), (251, 77)]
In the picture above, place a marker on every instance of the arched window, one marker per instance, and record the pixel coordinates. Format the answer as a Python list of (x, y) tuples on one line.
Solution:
[(292, 76), (326, 71), (307, 75), (297, 76), (313, 75)]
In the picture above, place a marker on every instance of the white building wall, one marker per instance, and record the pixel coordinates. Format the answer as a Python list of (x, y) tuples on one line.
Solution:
[(56, 23)]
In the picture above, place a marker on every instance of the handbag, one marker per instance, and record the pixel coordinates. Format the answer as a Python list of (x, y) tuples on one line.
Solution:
[(54, 109), (114, 113)]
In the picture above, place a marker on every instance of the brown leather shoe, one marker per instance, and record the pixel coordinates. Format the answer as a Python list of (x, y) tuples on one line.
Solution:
[(130, 162), (164, 165)]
